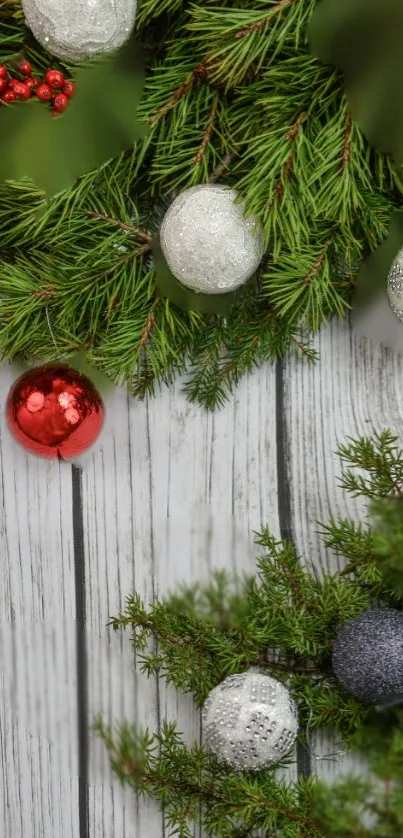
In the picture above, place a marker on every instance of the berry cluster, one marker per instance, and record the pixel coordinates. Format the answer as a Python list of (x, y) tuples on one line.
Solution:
[(54, 88)]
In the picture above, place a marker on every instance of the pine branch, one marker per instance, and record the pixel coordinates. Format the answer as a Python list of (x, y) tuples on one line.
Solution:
[(283, 620), (231, 94)]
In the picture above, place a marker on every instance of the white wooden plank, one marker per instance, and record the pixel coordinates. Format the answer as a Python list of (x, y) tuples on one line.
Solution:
[(173, 492), (355, 389), (38, 719)]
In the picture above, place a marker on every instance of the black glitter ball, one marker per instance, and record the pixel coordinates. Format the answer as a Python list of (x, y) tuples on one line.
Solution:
[(368, 655)]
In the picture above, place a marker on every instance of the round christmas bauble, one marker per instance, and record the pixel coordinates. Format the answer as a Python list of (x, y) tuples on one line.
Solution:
[(74, 30), (207, 242), (368, 655), (249, 721), (395, 286), (54, 411)]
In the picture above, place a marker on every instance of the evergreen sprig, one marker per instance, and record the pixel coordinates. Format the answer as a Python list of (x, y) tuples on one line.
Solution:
[(283, 620), (232, 94)]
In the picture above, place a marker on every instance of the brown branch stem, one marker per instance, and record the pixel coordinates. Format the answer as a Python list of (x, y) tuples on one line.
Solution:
[(198, 73), (208, 132), (221, 169), (259, 24), (127, 228)]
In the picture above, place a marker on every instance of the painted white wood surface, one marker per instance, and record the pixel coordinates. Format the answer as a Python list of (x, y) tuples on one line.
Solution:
[(161, 493)]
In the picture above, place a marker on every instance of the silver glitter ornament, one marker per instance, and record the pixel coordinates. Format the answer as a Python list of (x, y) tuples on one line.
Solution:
[(207, 242), (74, 30), (368, 655), (395, 286), (249, 721)]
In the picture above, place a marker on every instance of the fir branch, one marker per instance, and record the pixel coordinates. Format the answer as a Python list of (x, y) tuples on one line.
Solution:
[(283, 620), (128, 228), (231, 92)]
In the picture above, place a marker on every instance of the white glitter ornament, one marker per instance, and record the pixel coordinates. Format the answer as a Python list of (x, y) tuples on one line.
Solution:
[(395, 286), (74, 30), (207, 242), (250, 721)]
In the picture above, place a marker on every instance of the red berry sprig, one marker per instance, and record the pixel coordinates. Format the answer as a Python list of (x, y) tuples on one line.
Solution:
[(54, 88)]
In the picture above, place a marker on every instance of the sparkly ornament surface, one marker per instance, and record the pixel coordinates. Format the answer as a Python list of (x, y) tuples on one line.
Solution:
[(75, 30), (395, 286), (54, 411), (207, 242), (249, 721), (368, 655)]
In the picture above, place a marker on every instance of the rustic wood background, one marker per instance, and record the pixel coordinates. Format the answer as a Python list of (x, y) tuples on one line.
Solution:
[(168, 493)]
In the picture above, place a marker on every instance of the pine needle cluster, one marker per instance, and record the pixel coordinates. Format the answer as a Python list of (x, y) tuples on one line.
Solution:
[(232, 95), (284, 621)]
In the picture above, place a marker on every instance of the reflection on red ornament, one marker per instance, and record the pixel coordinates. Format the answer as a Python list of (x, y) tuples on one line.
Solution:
[(54, 411)]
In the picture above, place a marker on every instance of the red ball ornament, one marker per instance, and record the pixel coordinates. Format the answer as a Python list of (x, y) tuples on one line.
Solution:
[(55, 411), (22, 91), (44, 92), (3, 71), (9, 96), (60, 102), (54, 78), (25, 68), (69, 89)]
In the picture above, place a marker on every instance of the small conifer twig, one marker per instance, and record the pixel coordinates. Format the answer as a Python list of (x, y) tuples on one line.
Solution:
[(254, 27), (222, 168), (198, 73), (127, 228), (347, 143)]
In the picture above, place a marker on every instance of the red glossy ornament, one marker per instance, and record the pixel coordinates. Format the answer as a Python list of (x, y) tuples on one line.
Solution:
[(3, 86), (44, 92), (54, 78), (3, 71), (25, 68), (55, 411), (22, 91), (9, 96), (60, 102), (69, 89)]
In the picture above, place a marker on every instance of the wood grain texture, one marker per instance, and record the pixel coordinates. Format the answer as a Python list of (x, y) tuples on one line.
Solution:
[(38, 789), (174, 492), (355, 390), (168, 493)]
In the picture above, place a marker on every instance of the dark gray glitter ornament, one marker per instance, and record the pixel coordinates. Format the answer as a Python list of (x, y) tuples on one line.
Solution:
[(368, 655)]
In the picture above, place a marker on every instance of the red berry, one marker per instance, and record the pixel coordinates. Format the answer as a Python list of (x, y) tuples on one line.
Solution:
[(3, 85), (44, 93), (12, 82), (25, 68), (54, 78), (60, 102), (69, 88), (22, 91), (32, 82), (3, 71), (9, 96)]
